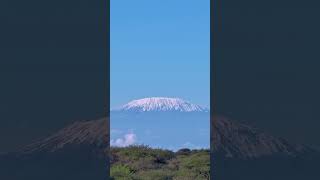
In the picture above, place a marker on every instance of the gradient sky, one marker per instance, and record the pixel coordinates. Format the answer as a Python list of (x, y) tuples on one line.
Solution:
[(160, 48)]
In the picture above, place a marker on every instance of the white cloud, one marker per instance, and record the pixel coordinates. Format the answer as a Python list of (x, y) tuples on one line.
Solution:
[(127, 140)]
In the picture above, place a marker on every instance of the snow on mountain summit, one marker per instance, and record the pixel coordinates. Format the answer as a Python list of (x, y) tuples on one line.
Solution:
[(161, 104)]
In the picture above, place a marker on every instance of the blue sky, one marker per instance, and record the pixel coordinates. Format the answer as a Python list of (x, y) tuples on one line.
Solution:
[(160, 48)]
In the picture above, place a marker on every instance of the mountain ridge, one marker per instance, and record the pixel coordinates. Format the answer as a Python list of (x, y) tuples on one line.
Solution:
[(160, 104), (91, 132), (230, 139), (237, 140)]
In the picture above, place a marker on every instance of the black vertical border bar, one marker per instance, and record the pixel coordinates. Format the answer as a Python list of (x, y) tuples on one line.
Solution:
[(106, 27), (215, 24)]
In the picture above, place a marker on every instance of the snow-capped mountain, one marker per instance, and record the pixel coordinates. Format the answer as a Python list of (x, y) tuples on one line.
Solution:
[(231, 139), (238, 149), (156, 104)]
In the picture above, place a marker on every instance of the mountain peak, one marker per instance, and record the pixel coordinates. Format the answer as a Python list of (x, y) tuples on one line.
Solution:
[(161, 104)]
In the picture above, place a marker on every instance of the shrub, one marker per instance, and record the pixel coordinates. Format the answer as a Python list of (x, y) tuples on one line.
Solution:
[(159, 174), (121, 172), (144, 163)]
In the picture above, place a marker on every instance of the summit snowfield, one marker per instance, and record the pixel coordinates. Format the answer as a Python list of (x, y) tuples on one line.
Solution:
[(159, 104)]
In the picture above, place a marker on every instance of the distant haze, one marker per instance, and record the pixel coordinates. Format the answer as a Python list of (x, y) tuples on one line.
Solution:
[(170, 123)]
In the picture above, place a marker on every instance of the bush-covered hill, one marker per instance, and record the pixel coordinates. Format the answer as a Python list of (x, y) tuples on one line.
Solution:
[(145, 163)]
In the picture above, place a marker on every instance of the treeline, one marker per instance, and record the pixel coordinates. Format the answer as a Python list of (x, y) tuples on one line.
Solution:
[(145, 163)]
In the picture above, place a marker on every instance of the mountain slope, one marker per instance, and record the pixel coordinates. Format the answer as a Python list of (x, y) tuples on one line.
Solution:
[(233, 139), (94, 133), (230, 139), (78, 151)]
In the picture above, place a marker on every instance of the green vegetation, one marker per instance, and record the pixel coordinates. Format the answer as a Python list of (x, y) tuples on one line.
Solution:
[(145, 163)]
